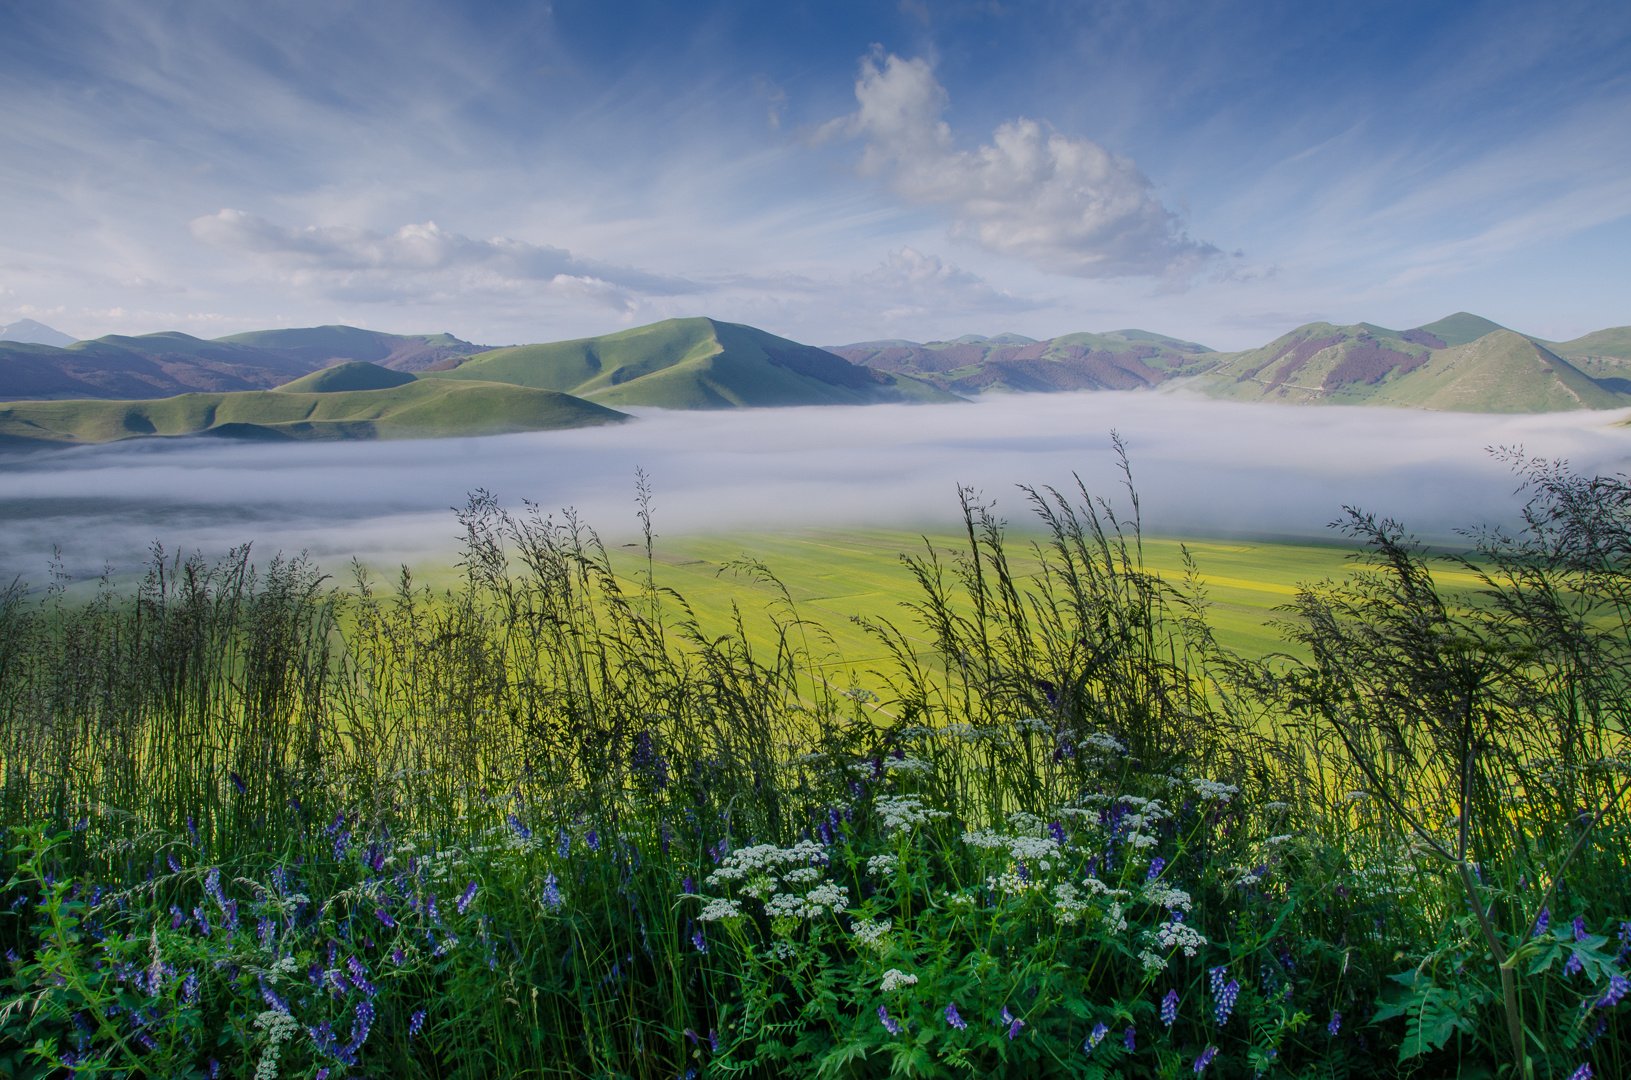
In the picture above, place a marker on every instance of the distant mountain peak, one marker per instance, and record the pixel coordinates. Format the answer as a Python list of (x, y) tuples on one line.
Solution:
[(1461, 328), (29, 332)]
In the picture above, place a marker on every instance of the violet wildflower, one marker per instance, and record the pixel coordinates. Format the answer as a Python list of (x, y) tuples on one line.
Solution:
[(1618, 986), (552, 894), (1205, 1059), (1157, 865), (688, 885), (1093, 1040), (359, 976), (889, 1024), (1014, 1024), (1574, 965), (1542, 921), (1582, 1073), (955, 1020), (1225, 1004), (416, 1023), (189, 989), (1217, 976), (465, 900), (520, 830), (1169, 1008), (1129, 1038), (1057, 831), (384, 916), (238, 782), (1335, 1024), (563, 844), (699, 941), (1580, 928), (175, 867), (593, 840)]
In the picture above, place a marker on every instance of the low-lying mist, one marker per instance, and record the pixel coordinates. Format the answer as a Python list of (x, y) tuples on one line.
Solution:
[(1201, 467)]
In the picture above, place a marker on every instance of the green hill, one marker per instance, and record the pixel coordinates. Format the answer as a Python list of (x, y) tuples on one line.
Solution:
[(695, 363), (320, 346), (1462, 328), (350, 375), (1120, 360), (1428, 367), (414, 410)]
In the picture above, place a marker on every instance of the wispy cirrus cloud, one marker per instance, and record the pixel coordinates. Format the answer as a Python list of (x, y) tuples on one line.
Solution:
[(424, 260), (1063, 203)]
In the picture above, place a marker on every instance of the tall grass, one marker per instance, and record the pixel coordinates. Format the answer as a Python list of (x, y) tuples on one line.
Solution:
[(547, 823)]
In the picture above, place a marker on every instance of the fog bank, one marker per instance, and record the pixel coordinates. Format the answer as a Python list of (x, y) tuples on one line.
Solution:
[(1201, 467)]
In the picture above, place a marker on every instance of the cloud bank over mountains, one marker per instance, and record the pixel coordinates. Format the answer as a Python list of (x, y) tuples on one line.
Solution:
[(1064, 203)]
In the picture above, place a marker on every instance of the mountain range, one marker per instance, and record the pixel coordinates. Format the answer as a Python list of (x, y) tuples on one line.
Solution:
[(344, 382)]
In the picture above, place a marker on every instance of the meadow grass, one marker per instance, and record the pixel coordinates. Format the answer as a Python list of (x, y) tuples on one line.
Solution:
[(611, 814)]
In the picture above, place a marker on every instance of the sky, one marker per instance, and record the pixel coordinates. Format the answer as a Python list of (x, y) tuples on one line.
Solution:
[(832, 172)]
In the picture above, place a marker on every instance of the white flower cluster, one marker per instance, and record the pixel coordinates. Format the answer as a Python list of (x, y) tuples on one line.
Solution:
[(882, 865), (1040, 849), (894, 979), (1177, 935), (812, 905), (1276, 841), (873, 935), (1152, 963), (1010, 883), (1208, 790), (1095, 887), (803, 875), (907, 765), (1068, 905), (279, 1027), (766, 860), (904, 813), (717, 909), (1171, 899), (1105, 744), (1114, 919)]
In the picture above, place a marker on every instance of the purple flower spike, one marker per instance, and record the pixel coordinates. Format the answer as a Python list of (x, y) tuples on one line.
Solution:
[(1618, 986), (416, 1023), (889, 1024), (1582, 1073), (1205, 1059), (465, 900), (1580, 928), (1093, 1040), (699, 941), (1335, 1025), (1169, 1008), (552, 894), (593, 840), (1574, 965), (1543, 921), (1013, 1028), (953, 1019), (1226, 1002), (1157, 865), (1129, 1038)]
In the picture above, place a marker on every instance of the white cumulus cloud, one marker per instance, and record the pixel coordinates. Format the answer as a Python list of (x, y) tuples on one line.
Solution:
[(1066, 204), (425, 261)]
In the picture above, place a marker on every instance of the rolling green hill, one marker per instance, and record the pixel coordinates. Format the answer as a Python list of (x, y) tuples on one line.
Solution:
[(414, 410), (1119, 360), (692, 364), (320, 346), (1436, 366), (350, 375)]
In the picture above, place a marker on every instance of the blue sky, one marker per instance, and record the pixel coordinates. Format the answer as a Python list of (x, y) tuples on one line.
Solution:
[(833, 172)]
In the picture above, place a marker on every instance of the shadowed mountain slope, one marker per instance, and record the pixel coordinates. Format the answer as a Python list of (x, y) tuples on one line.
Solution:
[(320, 346), (414, 410), (696, 363), (350, 375)]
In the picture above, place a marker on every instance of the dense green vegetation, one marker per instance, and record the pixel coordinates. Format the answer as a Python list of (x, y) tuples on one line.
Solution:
[(413, 410), (545, 823)]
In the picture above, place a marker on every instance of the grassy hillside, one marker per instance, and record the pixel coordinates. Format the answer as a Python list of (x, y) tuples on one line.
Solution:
[(415, 410), (1427, 367), (151, 365), (692, 364), (350, 375), (1119, 360), (320, 346)]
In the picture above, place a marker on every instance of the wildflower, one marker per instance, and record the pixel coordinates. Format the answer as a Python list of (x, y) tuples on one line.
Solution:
[(563, 845), (1129, 1038), (895, 978), (1226, 1002), (1093, 1040), (1618, 986), (1057, 831), (520, 830), (552, 894), (189, 989), (1335, 1025), (1574, 965), (1217, 975), (713, 1039), (465, 900), (1582, 1073), (1205, 1059), (699, 941), (593, 840), (1169, 1008), (1014, 1024), (688, 885), (1157, 865), (1542, 921), (720, 909), (1580, 928), (953, 1019), (889, 1024)]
